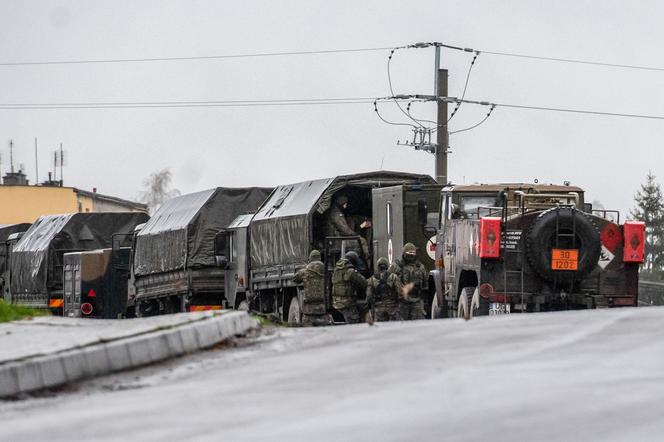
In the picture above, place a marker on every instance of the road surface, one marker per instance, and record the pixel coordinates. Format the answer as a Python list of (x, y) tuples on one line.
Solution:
[(585, 375)]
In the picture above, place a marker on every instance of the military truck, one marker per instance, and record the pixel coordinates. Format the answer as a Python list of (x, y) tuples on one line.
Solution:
[(510, 248), (95, 283), (36, 264), (8, 231), (174, 264), (278, 238)]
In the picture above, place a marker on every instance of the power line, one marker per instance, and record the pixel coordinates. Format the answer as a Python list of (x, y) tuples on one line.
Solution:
[(543, 57), (575, 61), (202, 57), (186, 104), (528, 107)]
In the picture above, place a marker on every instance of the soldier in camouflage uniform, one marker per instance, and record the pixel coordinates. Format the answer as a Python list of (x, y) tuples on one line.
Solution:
[(383, 292), (338, 225), (413, 276), (312, 277), (347, 288)]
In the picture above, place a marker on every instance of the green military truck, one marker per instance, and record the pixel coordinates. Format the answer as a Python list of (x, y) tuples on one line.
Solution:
[(263, 252), (506, 248)]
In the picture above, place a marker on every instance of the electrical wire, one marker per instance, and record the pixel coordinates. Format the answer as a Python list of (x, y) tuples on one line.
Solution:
[(546, 58), (186, 104), (202, 57), (410, 102), (375, 103), (465, 86), (389, 80), (476, 125)]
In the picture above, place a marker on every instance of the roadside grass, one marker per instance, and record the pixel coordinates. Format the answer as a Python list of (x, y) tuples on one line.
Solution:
[(11, 312), (265, 321)]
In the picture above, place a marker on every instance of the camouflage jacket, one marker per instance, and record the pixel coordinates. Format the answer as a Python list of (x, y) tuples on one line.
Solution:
[(312, 277), (347, 285), (337, 224), (414, 273), (384, 288)]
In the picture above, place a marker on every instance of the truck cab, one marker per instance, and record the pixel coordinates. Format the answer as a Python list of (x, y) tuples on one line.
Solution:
[(506, 248)]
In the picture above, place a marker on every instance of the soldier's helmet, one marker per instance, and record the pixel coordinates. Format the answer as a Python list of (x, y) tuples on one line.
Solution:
[(341, 200), (382, 263), (352, 257), (314, 255), (409, 252)]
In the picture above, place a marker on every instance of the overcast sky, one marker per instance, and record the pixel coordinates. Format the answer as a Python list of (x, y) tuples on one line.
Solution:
[(115, 149)]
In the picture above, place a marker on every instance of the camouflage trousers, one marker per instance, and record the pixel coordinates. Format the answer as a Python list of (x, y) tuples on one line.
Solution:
[(316, 320), (386, 312), (412, 310), (351, 314)]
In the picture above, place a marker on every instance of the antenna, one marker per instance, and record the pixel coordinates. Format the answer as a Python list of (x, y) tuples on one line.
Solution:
[(36, 164), (62, 160), (11, 155), (55, 165)]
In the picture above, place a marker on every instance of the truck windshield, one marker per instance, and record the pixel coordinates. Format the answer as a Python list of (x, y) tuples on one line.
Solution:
[(468, 205)]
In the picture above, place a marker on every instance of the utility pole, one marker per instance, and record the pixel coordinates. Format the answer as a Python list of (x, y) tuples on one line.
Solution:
[(442, 135)]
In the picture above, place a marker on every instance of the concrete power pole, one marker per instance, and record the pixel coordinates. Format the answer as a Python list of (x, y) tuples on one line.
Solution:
[(442, 135)]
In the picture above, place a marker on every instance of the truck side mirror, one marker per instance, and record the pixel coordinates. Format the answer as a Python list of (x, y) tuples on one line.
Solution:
[(221, 249), (422, 212), (588, 207)]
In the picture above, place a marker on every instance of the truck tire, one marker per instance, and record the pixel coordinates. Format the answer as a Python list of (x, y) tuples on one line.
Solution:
[(294, 312), (465, 298), (541, 238)]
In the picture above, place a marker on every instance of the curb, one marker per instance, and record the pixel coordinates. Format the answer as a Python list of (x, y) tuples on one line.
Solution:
[(103, 358)]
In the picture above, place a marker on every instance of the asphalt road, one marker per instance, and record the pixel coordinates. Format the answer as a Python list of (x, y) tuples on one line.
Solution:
[(588, 375)]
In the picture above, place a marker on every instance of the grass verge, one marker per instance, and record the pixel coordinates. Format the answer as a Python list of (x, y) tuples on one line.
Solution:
[(11, 312)]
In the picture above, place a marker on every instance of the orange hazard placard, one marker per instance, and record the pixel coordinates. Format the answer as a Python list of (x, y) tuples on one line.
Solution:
[(564, 259)]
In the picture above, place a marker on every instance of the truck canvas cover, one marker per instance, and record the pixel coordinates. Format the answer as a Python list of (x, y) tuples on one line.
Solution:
[(181, 233), (282, 227), (53, 235), (5, 231)]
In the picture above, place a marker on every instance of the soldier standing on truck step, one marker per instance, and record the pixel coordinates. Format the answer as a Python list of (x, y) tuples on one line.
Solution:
[(383, 292), (312, 277), (338, 224), (347, 287), (413, 276)]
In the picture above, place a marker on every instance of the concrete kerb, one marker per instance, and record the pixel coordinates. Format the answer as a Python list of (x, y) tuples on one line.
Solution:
[(107, 357)]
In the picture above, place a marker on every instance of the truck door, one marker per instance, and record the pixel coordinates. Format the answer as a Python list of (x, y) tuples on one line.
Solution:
[(388, 228), (226, 253)]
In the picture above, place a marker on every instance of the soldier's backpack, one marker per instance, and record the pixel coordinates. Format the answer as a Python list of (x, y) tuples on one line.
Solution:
[(341, 287), (382, 290)]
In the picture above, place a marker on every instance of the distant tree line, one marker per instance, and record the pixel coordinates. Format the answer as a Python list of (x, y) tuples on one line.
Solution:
[(650, 209)]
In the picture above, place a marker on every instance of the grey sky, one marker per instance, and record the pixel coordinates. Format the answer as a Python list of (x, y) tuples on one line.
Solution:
[(115, 149)]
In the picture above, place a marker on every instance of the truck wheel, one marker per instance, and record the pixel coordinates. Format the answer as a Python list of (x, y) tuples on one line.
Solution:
[(436, 309), (464, 309), (294, 312)]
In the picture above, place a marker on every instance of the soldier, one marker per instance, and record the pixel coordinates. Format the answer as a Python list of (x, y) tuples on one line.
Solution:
[(383, 292), (413, 276), (312, 277), (338, 223), (347, 287)]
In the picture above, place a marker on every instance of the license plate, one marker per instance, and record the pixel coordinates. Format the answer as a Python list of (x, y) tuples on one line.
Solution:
[(499, 308), (564, 259)]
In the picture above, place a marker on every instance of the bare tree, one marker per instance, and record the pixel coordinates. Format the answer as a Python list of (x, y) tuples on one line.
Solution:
[(157, 189)]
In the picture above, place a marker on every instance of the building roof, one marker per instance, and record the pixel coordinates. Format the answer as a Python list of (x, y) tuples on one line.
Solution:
[(111, 199)]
